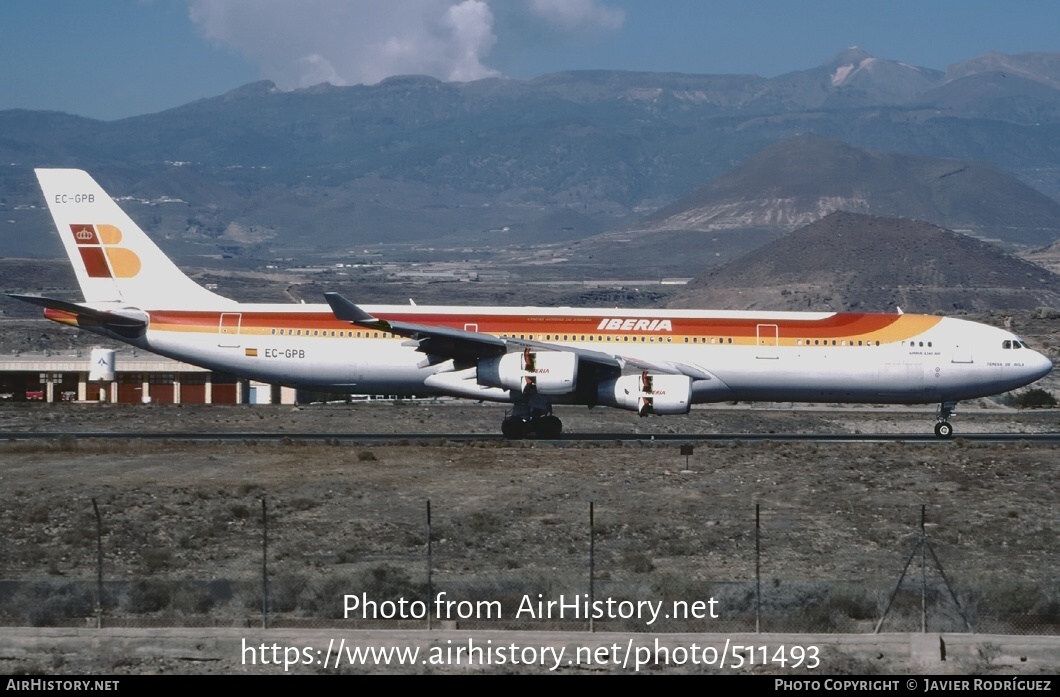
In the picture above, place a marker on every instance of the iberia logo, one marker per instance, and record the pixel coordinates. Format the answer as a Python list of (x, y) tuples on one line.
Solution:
[(99, 250)]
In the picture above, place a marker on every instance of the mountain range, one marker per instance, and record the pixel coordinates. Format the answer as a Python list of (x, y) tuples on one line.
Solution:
[(263, 173)]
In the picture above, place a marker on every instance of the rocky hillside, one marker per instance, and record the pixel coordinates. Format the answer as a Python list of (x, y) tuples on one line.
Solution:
[(803, 179), (849, 261)]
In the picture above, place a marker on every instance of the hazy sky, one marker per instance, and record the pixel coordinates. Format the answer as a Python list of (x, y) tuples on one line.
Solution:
[(110, 59)]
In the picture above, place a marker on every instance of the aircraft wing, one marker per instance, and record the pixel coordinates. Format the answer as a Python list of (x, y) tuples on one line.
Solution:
[(462, 345), (666, 368)]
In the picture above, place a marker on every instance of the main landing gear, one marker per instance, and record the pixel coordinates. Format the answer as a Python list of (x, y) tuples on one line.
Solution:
[(943, 429), (524, 421)]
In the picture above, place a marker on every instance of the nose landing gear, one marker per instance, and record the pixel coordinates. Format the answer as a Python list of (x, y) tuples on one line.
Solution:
[(943, 429)]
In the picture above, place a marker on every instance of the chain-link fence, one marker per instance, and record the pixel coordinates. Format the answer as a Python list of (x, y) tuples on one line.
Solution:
[(199, 557)]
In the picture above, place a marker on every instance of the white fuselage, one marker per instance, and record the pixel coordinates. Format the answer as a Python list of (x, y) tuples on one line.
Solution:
[(742, 356)]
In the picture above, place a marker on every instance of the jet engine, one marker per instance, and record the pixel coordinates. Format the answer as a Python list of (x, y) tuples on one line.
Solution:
[(648, 394), (531, 372)]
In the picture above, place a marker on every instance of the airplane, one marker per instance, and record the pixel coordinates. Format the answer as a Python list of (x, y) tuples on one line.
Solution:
[(657, 362)]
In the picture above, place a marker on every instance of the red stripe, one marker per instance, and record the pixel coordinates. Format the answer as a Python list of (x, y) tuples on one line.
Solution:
[(841, 324)]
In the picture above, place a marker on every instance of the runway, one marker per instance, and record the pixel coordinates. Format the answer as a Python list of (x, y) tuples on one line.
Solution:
[(453, 437)]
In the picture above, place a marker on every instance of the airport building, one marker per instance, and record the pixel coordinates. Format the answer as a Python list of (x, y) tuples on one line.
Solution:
[(135, 377)]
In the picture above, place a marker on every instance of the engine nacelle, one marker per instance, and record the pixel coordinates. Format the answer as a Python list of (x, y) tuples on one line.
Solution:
[(531, 372), (648, 394)]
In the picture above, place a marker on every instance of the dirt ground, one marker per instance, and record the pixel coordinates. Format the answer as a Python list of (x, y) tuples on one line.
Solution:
[(837, 522)]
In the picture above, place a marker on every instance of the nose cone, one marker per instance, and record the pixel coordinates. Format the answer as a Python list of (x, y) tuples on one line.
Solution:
[(1037, 367)]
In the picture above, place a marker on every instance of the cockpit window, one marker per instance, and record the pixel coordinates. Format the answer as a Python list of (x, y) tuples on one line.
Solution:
[(1024, 344), (1006, 344)]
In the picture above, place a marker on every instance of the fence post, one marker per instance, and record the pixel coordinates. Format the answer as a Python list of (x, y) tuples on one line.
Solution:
[(264, 566), (758, 571), (923, 573), (99, 565), (592, 564), (430, 582)]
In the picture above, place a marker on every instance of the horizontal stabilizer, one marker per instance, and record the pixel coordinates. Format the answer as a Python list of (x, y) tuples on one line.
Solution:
[(128, 318), (126, 322)]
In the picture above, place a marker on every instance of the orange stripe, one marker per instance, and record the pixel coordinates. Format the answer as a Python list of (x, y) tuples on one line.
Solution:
[(875, 327)]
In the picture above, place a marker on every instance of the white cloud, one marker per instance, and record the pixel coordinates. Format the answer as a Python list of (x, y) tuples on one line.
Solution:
[(472, 30), (344, 42), (297, 44)]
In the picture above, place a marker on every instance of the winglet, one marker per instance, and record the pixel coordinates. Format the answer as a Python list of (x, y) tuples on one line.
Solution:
[(348, 312)]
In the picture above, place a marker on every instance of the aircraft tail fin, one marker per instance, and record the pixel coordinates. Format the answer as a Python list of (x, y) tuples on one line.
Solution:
[(113, 259)]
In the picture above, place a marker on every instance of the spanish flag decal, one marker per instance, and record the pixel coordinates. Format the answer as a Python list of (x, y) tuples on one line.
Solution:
[(252, 352)]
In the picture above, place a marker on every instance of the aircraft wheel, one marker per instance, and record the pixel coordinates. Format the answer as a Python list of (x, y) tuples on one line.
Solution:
[(943, 429), (548, 427), (513, 428)]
